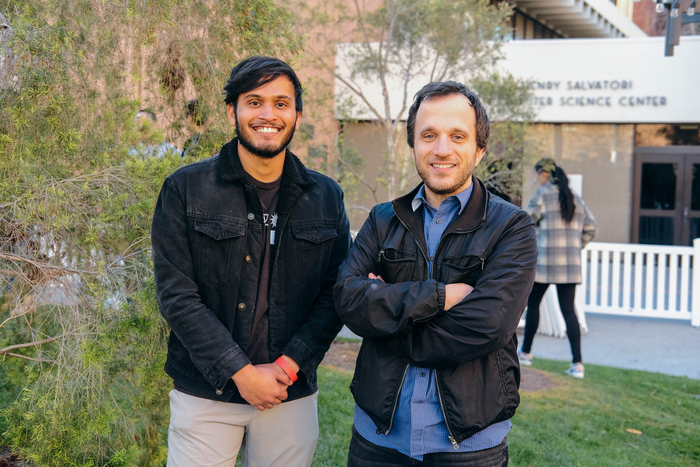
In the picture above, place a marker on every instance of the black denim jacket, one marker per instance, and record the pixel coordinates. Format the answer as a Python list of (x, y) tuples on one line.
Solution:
[(490, 246), (207, 241)]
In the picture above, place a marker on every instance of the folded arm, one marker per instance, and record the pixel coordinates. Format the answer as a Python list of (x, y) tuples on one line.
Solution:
[(372, 308), (487, 317)]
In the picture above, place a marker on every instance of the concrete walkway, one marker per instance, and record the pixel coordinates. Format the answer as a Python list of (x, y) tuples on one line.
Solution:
[(664, 346), (658, 345)]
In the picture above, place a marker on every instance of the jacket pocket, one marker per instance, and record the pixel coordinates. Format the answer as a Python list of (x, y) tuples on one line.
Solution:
[(465, 269), (216, 240), (396, 266), (313, 247)]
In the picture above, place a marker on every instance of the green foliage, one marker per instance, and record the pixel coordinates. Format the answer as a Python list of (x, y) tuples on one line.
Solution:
[(507, 103), (82, 339)]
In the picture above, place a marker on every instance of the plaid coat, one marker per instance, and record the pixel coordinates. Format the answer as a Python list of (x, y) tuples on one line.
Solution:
[(559, 245)]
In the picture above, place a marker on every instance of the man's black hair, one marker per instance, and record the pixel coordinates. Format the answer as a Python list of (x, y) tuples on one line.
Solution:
[(447, 88), (254, 72), (148, 113), (194, 109)]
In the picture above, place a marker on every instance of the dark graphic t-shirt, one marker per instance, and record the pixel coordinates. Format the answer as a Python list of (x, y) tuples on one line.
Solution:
[(258, 350)]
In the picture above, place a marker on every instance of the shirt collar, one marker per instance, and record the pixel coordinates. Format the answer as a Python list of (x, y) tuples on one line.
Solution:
[(462, 197)]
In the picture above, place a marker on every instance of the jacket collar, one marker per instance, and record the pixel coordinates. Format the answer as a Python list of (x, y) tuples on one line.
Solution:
[(471, 218), (232, 169)]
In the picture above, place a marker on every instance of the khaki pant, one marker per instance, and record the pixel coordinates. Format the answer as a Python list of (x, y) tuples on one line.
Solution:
[(206, 433)]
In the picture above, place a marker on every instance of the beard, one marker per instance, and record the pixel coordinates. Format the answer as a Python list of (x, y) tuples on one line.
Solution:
[(442, 188), (264, 152)]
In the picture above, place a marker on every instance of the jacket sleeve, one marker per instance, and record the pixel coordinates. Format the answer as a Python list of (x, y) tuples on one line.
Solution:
[(590, 226), (209, 343), (313, 338), (536, 207), (488, 317), (371, 308)]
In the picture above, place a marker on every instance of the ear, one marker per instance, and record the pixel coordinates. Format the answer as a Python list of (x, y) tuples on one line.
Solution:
[(231, 113), (296, 126), (479, 155)]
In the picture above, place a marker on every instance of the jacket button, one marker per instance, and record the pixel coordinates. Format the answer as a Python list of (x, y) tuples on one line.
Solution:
[(219, 392), (248, 259), (251, 216), (241, 306)]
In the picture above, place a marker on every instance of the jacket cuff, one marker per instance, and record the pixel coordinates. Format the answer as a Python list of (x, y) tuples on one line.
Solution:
[(231, 363), (441, 296), (302, 355)]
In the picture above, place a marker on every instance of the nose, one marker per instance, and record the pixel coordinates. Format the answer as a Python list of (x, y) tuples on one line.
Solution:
[(266, 112), (442, 146)]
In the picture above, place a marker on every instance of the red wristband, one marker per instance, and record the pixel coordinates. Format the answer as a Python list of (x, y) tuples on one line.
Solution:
[(287, 368)]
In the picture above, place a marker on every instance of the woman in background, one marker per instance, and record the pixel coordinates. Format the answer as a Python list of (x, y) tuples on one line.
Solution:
[(564, 226)]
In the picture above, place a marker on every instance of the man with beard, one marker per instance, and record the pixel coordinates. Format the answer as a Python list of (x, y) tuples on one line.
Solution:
[(435, 283), (246, 249)]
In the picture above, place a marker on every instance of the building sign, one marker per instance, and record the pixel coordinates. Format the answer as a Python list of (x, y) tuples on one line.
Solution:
[(601, 94), (609, 80), (583, 80)]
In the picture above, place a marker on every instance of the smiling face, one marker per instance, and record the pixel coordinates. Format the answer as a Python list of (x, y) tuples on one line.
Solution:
[(445, 150), (265, 118)]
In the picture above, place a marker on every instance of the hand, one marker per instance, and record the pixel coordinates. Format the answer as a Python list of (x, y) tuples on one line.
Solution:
[(263, 386), (372, 276), (455, 293)]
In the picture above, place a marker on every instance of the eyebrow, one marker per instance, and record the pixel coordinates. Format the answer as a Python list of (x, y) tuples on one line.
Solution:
[(258, 96), (451, 130)]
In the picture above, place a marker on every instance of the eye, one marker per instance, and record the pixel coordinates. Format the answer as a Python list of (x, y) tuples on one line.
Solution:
[(429, 136)]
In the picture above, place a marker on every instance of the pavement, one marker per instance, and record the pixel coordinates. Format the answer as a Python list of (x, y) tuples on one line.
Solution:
[(665, 346)]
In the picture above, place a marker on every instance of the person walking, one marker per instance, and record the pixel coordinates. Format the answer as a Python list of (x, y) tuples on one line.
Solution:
[(564, 226)]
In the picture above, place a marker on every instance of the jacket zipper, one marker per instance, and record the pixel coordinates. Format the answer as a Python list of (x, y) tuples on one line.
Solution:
[(444, 415), (396, 401), (425, 277)]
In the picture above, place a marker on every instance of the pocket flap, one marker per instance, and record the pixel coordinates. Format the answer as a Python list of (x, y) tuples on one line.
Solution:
[(218, 229), (315, 233)]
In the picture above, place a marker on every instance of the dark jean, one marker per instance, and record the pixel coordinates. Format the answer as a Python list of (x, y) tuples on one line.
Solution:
[(362, 453)]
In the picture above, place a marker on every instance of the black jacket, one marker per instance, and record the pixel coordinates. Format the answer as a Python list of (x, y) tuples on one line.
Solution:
[(207, 242), (490, 246)]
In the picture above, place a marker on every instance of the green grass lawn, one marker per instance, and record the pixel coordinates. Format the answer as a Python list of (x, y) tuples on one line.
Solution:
[(576, 423)]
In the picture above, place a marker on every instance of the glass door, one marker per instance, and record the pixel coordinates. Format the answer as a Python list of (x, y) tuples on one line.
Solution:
[(666, 198), (658, 199), (691, 202)]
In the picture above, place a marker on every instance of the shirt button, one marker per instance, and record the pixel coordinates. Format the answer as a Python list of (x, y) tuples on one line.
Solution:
[(439, 221), (248, 259), (241, 306), (251, 216), (379, 432), (422, 373)]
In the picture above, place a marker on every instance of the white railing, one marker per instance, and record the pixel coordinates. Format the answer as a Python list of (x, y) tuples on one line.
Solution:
[(641, 280)]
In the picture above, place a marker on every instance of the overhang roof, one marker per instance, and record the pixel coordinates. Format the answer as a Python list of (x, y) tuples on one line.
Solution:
[(580, 18)]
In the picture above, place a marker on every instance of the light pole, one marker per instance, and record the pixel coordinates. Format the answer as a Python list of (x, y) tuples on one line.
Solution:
[(674, 20)]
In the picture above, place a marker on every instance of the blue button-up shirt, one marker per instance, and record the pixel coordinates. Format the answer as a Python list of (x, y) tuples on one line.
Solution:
[(419, 425)]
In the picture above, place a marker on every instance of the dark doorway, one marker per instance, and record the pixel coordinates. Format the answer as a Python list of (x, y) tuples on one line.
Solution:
[(666, 197)]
